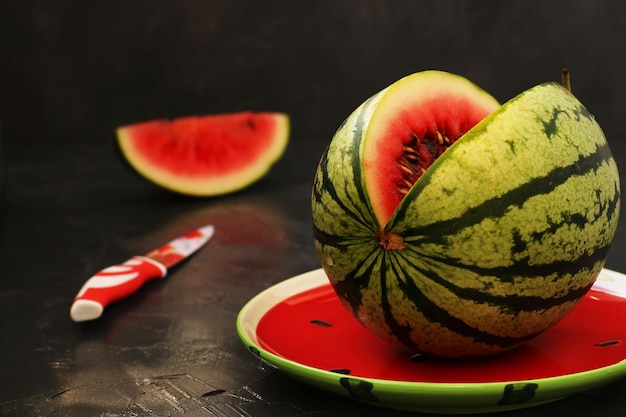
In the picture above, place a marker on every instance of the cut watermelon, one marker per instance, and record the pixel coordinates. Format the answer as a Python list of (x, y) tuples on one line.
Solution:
[(205, 155)]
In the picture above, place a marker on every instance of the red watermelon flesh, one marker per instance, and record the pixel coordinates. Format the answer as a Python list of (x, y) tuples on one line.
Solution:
[(206, 155)]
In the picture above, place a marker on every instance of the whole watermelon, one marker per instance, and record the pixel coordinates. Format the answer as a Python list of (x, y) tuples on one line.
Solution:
[(456, 227)]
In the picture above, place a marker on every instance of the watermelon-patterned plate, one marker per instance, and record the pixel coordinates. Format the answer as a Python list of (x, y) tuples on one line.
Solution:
[(300, 327)]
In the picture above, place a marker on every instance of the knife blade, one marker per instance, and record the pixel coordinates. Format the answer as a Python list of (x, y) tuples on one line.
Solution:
[(119, 281)]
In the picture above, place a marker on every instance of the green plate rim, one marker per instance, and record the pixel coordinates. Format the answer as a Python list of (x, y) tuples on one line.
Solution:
[(439, 398)]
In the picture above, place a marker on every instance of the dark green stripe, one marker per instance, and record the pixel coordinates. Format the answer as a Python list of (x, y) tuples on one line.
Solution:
[(357, 167), (436, 314), (360, 210), (328, 239), (400, 331), (522, 268), (499, 205), (327, 186), (352, 286), (511, 302)]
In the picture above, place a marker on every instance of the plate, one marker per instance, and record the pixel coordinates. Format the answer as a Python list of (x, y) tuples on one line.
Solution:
[(300, 327)]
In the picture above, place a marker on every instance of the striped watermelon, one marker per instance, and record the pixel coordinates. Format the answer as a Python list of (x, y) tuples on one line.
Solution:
[(494, 243)]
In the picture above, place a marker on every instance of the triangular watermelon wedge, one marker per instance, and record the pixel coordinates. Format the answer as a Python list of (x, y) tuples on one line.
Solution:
[(205, 155)]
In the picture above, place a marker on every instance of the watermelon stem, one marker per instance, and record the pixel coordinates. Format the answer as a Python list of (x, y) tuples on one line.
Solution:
[(390, 241), (565, 80)]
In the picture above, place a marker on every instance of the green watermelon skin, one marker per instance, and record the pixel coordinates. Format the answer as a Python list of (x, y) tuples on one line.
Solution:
[(502, 236)]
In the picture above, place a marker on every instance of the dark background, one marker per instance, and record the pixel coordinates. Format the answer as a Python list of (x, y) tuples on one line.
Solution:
[(72, 71)]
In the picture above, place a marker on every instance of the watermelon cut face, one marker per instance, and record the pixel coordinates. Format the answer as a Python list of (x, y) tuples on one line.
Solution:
[(205, 155), (416, 120), (496, 240)]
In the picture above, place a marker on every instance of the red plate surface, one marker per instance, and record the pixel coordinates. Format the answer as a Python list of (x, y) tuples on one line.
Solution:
[(312, 328)]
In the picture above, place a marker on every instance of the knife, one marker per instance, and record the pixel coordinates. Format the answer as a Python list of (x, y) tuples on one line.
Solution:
[(119, 281)]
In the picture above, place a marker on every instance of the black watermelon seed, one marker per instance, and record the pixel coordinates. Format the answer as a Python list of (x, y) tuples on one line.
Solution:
[(341, 371)]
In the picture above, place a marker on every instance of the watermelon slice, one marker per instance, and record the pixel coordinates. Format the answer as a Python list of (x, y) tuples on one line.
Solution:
[(205, 155)]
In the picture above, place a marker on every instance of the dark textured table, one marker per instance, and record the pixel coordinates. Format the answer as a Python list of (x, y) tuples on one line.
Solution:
[(72, 72), (172, 348)]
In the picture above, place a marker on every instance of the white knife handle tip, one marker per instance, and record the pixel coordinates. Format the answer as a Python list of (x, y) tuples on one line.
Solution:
[(208, 230), (84, 310)]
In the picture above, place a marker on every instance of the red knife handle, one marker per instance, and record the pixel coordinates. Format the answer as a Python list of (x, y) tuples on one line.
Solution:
[(112, 284)]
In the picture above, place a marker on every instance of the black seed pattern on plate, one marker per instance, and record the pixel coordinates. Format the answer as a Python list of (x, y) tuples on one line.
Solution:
[(320, 323), (341, 371), (609, 343)]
